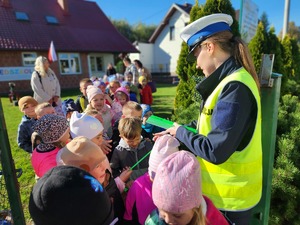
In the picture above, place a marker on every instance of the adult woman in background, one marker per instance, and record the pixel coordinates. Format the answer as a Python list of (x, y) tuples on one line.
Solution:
[(45, 85), (228, 142)]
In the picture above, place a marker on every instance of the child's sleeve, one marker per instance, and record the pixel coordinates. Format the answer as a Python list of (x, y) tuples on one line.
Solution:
[(115, 164), (24, 138), (130, 215)]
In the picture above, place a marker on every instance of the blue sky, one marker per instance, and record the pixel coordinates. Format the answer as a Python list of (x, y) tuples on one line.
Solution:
[(153, 11)]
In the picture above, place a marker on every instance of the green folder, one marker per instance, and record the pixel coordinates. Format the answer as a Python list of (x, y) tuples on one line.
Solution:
[(163, 123)]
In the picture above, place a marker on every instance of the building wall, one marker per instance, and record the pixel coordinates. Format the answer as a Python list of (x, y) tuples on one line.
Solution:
[(166, 51), (146, 55), (14, 59)]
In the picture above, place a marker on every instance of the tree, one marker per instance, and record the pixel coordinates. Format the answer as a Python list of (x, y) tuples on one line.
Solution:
[(124, 28), (142, 33), (265, 21), (139, 32), (285, 198), (274, 47), (257, 46), (293, 31)]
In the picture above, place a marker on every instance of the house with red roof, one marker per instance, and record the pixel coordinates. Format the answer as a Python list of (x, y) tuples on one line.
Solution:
[(84, 39)]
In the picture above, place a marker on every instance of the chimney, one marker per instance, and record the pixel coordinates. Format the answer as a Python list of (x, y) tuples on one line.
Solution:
[(63, 4), (5, 3)]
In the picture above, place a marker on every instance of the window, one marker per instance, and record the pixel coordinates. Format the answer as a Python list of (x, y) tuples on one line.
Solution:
[(172, 33), (69, 63), (51, 19), (28, 58), (96, 63), (22, 16)]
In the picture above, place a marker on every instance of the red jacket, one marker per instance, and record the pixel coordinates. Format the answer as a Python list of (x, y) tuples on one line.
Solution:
[(146, 95)]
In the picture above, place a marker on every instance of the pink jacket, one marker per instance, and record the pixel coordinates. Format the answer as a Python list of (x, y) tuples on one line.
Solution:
[(43, 161)]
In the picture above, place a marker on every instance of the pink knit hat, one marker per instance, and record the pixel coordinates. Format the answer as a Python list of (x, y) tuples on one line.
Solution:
[(123, 90), (92, 91), (177, 184), (162, 148)]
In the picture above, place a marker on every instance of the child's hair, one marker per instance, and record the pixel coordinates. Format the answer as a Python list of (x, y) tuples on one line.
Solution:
[(91, 111), (130, 128), (39, 108), (198, 218), (129, 107), (85, 80), (115, 82)]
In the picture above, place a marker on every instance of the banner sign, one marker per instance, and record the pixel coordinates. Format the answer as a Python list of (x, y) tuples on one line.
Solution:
[(15, 73)]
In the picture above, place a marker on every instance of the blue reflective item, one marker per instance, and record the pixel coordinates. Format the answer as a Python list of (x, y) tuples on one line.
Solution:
[(94, 183)]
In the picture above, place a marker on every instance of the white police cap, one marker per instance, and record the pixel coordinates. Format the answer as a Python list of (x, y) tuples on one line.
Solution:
[(205, 27)]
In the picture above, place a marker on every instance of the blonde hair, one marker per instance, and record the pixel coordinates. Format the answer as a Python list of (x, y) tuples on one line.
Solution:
[(198, 218), (85, 80), (39, 66), (91, 111), (238, 49), (129, 107), (115, 82), (130, 128), (39, 108)]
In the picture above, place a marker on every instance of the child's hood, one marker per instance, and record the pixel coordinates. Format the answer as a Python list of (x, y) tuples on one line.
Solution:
[(125, 146)]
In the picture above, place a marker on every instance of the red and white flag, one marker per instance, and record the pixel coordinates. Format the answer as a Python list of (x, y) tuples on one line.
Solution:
[(52, 54)]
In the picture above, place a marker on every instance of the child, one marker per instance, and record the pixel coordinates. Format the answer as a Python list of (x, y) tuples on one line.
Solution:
[(27, 105), (101, 85), (85, 154), (132, 95), (113, 86), (43, 109), (82, 101), (68, 107), (139, 203), (82, 124), (96, 101), (121, 97), (133, 88), (131, 148), (130, 110), (145, 91), (54, 133), (176, 192), (69, 195), (149, 128)]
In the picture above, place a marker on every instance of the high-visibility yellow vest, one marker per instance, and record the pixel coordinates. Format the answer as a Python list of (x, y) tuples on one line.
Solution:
[(236, 184)]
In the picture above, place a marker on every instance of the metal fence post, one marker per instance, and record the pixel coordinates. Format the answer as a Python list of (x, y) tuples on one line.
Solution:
[(269, 105), (9, 172)]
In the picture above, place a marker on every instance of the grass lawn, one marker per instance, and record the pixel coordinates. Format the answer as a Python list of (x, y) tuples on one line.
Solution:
[(162, 106)]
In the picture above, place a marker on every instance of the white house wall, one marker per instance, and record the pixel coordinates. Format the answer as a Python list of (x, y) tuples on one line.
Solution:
[(166, 52), (146, 55)]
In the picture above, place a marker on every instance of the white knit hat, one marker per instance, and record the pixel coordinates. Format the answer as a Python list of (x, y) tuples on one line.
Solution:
[(82, 124), (92, 91), (163, 147)]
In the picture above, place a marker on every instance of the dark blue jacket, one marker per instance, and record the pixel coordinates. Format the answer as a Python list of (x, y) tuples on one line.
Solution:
[(24, 133), (236, 130)]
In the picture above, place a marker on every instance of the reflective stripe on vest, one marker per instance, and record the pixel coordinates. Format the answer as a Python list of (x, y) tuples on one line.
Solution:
[(236, 184)]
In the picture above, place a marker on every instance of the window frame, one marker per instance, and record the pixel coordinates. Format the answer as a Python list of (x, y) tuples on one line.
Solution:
[(34, 56), (69, 57)]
